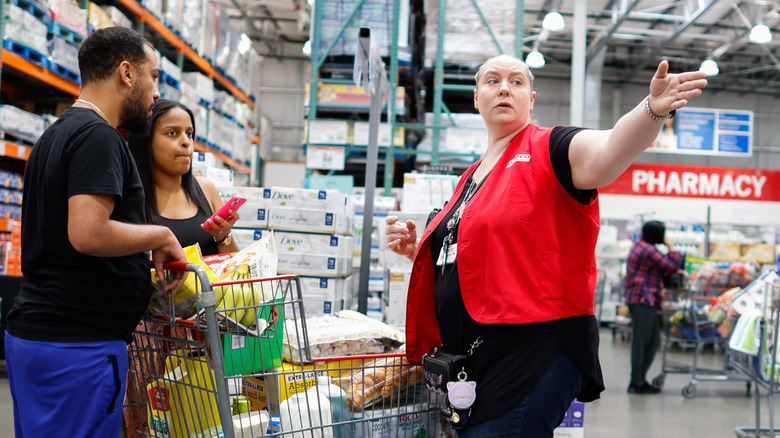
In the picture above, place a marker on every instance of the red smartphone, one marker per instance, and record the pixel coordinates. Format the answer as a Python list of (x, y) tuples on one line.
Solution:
[(233, 203)]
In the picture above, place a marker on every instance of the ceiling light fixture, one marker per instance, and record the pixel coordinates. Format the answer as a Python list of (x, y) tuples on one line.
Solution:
[(553, 22), (535, 59), (760, 34), (306, 49), (709, 67)]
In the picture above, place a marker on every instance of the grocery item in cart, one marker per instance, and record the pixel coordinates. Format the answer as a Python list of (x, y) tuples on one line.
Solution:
[(183, 401), (184, 301), (260, 256), (304, 410), (331, 336), (380, 379)]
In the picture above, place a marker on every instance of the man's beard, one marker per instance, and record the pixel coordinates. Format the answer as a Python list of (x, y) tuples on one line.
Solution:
[(134, 114)]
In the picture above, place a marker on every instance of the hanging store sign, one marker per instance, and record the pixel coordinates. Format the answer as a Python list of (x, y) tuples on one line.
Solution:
[(704, 131), (697, 182)]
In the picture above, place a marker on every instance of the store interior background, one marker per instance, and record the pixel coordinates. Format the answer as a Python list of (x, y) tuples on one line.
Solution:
[(633, 36)]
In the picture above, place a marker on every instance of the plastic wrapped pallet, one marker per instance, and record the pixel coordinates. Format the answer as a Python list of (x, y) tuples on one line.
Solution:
[(97, 18), (465, 36), (155, 7), (117, 17), (69, 14), (64, 54), (19, 121), (24, 28), (192, 21), (173, 12)]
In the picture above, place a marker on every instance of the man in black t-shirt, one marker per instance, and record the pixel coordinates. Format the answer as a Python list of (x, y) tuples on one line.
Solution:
[(84, 246)]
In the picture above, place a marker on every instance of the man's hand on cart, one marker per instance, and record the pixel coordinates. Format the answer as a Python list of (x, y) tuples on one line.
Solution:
[(169, 251), (401, 237)]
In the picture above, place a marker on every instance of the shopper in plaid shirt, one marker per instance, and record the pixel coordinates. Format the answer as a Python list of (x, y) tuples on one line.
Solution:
[(646, 267)]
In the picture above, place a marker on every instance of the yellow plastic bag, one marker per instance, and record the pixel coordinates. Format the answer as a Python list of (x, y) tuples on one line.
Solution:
[(186, 298)]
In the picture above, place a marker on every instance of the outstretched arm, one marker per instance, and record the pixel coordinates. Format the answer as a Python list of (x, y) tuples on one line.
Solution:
[(598, 157)]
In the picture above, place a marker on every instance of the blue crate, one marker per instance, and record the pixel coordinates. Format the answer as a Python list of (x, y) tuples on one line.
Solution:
[(27, 53), (166, 78), (57, 29), (36, 10), (65, 73)]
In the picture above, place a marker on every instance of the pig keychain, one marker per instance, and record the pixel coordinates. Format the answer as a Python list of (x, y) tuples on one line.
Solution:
[(462, 393)]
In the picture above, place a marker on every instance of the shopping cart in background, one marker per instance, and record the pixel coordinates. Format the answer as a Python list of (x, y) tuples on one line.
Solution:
[(687, 323), (231, 372)]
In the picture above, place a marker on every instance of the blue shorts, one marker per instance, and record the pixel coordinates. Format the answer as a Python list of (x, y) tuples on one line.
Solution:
[(66, 389)]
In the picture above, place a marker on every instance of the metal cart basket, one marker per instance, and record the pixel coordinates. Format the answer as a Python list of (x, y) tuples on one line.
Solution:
[(684, 323), (230, 372)]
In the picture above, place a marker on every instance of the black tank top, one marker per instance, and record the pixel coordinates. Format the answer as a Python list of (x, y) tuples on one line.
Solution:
[(188, 231)]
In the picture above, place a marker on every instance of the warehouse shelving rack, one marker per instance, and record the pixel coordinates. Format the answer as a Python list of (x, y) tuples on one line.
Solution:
[(440, 86)]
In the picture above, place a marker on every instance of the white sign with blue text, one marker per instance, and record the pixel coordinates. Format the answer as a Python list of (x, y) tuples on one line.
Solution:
[(705, 131)]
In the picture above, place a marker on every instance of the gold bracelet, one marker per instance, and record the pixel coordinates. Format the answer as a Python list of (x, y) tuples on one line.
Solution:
[(224, 239)]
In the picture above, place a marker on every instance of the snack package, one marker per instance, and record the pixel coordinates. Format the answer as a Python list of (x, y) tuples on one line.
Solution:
[(186, 298), (260, 256), (384, 378)]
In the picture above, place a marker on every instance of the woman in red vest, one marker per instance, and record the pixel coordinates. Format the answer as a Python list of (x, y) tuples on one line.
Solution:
[(506, 269)]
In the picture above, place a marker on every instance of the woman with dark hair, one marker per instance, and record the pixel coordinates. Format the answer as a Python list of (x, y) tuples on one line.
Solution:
[(645, 270), (174, 196)]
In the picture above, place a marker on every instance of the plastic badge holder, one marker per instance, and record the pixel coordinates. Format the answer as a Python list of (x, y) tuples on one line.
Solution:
[(249, 354)]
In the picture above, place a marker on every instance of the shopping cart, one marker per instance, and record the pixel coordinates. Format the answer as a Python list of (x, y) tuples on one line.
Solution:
[(685, 324), (230, 372)]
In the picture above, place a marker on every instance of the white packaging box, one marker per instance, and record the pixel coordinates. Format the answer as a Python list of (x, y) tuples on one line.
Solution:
[(322, 295), (204, 86), (300, 219), (360, 135), (253, 215), (312, 264), (329, 200), (171, 69), (394, 296), (219, 175), (207, 158), (252, 194), (327, 131), (117, 17), (244, 236), (325, 244), (23, 122)]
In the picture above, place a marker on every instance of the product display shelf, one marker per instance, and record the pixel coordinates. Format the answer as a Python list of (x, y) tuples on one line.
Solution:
[(13, 150), (200, 147), (144, 16), (18, 63)]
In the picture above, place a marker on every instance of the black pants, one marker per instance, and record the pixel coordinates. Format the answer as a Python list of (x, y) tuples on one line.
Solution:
[(645, 340)]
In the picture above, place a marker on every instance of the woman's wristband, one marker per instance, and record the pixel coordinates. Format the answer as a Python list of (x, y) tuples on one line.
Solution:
[(225, 240)]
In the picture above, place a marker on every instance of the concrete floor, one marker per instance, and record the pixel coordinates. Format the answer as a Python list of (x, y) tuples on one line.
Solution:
[(715, 411)]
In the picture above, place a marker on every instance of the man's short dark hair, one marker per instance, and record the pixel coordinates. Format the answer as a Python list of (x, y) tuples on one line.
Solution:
[(103, 50)]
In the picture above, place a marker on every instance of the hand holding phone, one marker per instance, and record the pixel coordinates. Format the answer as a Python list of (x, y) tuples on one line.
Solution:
[(233, 204)]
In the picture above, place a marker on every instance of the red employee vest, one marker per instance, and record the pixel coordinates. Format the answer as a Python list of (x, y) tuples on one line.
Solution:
[(526, 248)]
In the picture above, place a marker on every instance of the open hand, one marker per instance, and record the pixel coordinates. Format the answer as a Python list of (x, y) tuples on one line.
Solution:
[(671, 91)]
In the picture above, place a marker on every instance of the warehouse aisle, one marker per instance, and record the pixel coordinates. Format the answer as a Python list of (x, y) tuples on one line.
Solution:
[(714, 412)]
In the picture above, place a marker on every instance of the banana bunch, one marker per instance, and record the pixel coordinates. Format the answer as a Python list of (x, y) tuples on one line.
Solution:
[(232, 296), (244, 294)]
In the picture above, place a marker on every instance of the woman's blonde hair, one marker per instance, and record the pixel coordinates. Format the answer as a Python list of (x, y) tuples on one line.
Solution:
[(506, 58)]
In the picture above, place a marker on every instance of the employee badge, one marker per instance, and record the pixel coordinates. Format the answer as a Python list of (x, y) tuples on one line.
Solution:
[(447, 254)]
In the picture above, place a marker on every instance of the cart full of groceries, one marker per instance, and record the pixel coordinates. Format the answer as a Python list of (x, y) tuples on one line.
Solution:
[(231, 354)]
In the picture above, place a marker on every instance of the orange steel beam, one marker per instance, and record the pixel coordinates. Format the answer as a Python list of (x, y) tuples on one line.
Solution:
[(16, 62)]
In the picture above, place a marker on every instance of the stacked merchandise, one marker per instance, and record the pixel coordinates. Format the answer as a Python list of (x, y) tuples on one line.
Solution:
[(463, 41), (376, 14), (67, 30), (10, 195), (24, 30), (421, 194), (170, 78), (20, 123), (383, 205), (205, 164), (312, 230)]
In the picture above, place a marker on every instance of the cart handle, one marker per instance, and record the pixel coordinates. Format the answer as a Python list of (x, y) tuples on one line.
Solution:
[(175, 266)]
